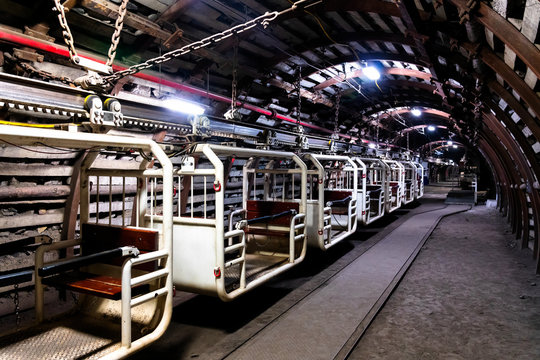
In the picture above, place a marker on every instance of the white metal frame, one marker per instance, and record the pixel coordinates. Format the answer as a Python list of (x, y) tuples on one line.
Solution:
[(419, 179), (319, 215), (201, 244), (409, 194), (395, 174), (374, 173), (75, 140)]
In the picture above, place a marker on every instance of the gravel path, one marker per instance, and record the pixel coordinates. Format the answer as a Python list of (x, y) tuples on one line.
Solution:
[(470, 294)]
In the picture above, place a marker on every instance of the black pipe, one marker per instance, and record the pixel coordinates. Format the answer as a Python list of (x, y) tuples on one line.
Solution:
[(271, 217), (79, 261), (337, 202), (18, 277)]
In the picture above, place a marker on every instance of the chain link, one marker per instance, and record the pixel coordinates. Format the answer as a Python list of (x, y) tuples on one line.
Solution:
[(263, 20), (66, 32), (234, 75), (298, 86), (16, 303), (336, 118), (44, 74), (117, 31)]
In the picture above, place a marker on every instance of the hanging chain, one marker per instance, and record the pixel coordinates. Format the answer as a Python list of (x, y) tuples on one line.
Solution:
[(232, 113), (117, 31), (336, 118), (75, 299), (66, 33), (377, 132), (263, 20), (16, 303), (299, 97), (234, 75)]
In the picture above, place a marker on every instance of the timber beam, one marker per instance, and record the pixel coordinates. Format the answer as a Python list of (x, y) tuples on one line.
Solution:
[(504, 30)]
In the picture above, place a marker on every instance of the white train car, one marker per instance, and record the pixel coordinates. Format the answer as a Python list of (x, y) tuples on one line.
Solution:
[(373, 188), (396, 184), (411, 182), (122, 264), (332, 205), (227, 255)]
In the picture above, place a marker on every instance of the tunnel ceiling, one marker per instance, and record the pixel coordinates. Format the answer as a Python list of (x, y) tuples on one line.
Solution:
[(458, 61), (472, 67)]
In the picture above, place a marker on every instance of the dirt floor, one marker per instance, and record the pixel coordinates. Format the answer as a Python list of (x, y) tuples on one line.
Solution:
[(470, 294)]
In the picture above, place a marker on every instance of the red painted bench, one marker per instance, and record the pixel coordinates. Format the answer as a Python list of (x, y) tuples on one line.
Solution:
[(264, 210), (96, 239), (342, 207)]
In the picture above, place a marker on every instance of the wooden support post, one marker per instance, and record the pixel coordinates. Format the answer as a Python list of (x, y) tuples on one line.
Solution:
[(72, 204)]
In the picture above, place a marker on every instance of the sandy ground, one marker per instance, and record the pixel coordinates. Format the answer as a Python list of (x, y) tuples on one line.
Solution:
[(470, 294)]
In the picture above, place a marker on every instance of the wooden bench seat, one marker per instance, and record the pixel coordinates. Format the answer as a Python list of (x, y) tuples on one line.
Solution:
[(374, 190), (97, 238), (250, 230), (337, 195), (98, 285), (259, 209), (394, 186)]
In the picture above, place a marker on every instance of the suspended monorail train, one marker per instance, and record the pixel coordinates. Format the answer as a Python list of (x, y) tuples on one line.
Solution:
[(220, 221)]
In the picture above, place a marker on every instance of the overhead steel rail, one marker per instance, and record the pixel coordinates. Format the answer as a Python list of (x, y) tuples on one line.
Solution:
[(71, 105), (332, 206)]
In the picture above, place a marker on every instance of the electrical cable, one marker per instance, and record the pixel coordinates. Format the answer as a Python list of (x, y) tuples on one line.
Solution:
[(39, 151), (43, 126)]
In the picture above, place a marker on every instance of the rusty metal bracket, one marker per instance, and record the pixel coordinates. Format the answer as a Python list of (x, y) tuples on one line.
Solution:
[(417, 36), (27, 55), (466, 12)]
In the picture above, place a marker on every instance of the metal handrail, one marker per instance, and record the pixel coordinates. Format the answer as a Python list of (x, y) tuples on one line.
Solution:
[(128, 282)]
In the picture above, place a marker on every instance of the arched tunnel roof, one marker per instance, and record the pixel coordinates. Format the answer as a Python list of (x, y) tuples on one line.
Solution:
[(471, 67)]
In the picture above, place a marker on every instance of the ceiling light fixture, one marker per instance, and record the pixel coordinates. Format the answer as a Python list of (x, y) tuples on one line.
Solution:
[(450, 143), (183, 106), (416, 112), (371, 73), (431, 128), (454, 146)]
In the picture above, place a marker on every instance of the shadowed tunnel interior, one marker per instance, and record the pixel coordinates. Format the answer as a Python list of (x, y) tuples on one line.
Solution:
[(453, 84), (470, 67)]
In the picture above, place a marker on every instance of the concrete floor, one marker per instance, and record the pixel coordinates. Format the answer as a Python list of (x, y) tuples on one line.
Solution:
[(470, 294)]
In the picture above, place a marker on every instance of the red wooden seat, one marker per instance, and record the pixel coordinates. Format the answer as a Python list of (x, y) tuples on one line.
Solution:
[(341, 208), (260, 209), (98, 238)]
